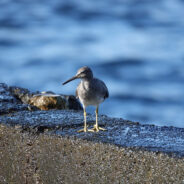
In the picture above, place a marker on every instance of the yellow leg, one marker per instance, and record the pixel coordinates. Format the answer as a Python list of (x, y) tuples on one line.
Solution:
[(96, 127), (85, 124)]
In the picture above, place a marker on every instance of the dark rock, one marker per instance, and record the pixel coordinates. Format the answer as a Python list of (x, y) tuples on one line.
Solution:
[(21, 94), (8, 107), (73, 103), (8, 102), (5, 95)]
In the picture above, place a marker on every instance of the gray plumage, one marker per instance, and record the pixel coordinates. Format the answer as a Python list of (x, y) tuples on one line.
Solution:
[(90, 91)]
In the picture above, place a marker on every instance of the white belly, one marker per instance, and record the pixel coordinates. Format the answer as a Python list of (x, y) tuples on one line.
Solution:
[(93, 102)]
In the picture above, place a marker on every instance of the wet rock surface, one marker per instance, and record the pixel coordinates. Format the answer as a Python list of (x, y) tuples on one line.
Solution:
[(119, 132), (8, 102)]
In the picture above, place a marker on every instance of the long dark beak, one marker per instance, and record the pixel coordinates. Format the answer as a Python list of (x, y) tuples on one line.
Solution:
[(69, 80)]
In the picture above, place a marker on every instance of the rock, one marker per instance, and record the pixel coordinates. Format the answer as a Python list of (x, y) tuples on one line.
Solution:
[(72, 102), (119, 132), (44, 146), (5, 95), (8, 103), (66, 122), (16, 99), (42, 158), (48, 101), (6, 108), (21, 94)]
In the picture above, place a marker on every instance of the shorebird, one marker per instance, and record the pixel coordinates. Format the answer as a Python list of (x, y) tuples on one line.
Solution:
[(90, 91)]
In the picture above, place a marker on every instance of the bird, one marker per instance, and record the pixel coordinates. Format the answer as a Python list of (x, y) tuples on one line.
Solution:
[(90, 91)]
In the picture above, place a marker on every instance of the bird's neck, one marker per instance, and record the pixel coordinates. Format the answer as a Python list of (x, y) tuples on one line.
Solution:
[(86, 79)]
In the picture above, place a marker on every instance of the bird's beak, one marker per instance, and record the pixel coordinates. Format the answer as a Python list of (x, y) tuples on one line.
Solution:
[(71, 79)]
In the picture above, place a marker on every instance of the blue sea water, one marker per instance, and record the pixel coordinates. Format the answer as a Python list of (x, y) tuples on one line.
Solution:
[(135, 46)]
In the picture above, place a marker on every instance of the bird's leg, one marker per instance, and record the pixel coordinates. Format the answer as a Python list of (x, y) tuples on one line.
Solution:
[(96, 127), (85, 124)]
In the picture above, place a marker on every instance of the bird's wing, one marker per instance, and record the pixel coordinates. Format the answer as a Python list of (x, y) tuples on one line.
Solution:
[(103, 88), (106, 94)]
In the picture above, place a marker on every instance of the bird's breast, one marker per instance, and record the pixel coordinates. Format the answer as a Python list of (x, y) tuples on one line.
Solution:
[(88, 95)]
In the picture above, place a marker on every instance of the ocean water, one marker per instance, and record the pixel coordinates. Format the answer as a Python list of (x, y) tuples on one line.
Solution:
[(135, 46)]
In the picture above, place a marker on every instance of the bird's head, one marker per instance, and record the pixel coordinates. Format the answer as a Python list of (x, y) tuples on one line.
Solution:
[(83, 73)]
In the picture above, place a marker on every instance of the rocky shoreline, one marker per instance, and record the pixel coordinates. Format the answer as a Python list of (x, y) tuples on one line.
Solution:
[(40, 143)]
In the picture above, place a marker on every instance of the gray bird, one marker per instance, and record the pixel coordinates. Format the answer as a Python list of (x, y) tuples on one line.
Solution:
[(90, 91)]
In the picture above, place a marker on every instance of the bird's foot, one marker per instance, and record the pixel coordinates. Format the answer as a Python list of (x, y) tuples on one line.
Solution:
[(83, 130), (97, 129)]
